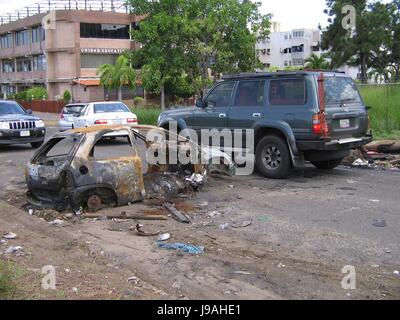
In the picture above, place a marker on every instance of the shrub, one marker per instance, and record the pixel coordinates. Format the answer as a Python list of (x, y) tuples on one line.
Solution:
[(138, 101), (148, 115), (67, 96), (36, 93), (20, 95)]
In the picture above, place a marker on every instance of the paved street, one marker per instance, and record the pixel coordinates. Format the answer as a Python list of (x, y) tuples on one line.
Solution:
[(304, 230)]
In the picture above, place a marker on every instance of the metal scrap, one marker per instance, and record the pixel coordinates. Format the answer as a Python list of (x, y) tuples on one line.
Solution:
[(176, 214)]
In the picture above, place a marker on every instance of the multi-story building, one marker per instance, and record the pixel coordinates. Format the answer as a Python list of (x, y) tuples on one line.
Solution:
[(64, 52), (292, 48)]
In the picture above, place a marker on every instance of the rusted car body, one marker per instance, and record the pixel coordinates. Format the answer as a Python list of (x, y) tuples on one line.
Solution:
[(74, 178)]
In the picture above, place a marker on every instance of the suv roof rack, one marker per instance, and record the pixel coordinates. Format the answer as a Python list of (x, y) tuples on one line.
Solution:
[(277, 73)]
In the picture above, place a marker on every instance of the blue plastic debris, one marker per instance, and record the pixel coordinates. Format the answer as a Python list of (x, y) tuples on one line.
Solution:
[(188, 248)]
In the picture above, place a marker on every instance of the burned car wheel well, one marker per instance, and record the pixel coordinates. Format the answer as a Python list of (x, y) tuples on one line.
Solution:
[(105, 195)]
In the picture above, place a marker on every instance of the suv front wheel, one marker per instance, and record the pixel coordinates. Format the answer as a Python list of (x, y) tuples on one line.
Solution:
[(273, 157)]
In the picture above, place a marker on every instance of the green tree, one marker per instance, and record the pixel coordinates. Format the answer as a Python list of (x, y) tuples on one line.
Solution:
[(118, 75), (317, 62), (36, 93), (182, 40), (359, 46), (67, 96)]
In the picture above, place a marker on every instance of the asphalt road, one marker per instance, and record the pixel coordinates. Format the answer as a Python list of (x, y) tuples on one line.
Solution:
[(346, 216)]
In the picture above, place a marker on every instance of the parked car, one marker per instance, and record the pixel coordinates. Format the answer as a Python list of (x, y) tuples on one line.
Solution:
[(67, 115), (19, 126), (105, 113), (295, 116)]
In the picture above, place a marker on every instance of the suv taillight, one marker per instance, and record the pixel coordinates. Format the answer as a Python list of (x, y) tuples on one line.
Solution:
[(319, 124)]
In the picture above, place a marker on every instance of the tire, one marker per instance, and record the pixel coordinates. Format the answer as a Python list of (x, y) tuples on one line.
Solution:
[(327, 165), (273, 157), (36, 145)]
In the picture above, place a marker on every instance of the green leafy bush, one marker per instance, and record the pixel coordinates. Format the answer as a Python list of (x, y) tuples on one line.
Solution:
[(67, 96), (36, 93), (138, 101)]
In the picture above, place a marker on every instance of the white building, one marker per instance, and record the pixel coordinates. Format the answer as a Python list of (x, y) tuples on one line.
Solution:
[(292, 49)]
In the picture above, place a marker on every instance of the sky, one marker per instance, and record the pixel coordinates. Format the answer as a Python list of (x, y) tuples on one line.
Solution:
[(291, 14)]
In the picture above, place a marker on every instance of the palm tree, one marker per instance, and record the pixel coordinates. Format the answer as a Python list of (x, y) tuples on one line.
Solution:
[(316, 62), (117, 75)]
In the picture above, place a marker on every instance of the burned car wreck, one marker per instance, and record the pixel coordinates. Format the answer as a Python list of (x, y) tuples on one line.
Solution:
[(69, 171)]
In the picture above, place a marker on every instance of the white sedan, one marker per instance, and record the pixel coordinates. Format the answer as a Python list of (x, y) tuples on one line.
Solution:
[(105, 113)]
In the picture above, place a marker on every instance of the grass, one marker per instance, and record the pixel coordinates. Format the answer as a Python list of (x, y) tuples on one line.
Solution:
[(147, 115), (385, 109), (9, 276)]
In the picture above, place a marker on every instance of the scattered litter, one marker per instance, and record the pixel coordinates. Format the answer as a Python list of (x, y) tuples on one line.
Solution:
[(214, 214), (203, 204), (379, 223), (135, 280), (56, 222), (396, 273), (10, 236), (360, 163), (178, 215), (242, 272), (30, 212), (350, 181), (224, 226), (375, 266), (176, 285), (281, 265), (75, 290), (374, 200), (79, 211), (3, 241), (164, 237), (141, 232), (67, 270), (243, 224), (188, 248), (196, 180), (231, 186), (387, 250), (14, 249)]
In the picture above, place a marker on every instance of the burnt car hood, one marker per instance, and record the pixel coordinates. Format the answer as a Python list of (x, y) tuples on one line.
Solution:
[(18, 117)]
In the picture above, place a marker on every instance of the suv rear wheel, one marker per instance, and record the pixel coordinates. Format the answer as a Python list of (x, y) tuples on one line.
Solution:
[(327, 165), (273, 157)]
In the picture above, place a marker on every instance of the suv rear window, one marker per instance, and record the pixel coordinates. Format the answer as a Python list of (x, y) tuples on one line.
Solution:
[(287, 92), (340, 90)]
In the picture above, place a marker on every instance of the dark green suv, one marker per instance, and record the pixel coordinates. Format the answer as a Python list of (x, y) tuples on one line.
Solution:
[(295, 116)]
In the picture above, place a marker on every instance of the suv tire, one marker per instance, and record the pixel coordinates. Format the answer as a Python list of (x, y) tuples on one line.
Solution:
[(327, 165), (273, 157)]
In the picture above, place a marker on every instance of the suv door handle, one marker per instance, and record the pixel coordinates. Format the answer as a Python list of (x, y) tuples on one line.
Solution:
[(256, 115), (222, 115)]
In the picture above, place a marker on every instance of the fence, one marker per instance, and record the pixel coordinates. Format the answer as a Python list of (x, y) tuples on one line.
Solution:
[(384, 100), (43, 105)]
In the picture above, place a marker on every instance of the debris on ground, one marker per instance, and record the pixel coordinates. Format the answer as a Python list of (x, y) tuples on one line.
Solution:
[(396, 273), (30, 212), (164, 237), (176, 214), (123, 215), (243, 224), (57, 222), (10, 236), (379, 223), (377, 155), (14, 249), (214, 214), (224, 226), (188, 248), (135, 280), (141, 232)]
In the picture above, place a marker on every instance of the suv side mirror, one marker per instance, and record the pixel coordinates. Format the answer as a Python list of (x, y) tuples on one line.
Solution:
[(29, 111), (200, 103)]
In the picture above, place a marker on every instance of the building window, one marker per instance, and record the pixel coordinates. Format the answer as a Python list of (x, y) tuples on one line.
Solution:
[(39, 63), (7, 41), (37, 34), (287, 92), (104, 31), (24, 65), (22, 38), (315, 48), (299, 48), (298, 62), (96, 60), (298, 34), (8, 66)]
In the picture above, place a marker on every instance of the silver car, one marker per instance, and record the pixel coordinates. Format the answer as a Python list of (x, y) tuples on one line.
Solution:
[(67, 115)]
